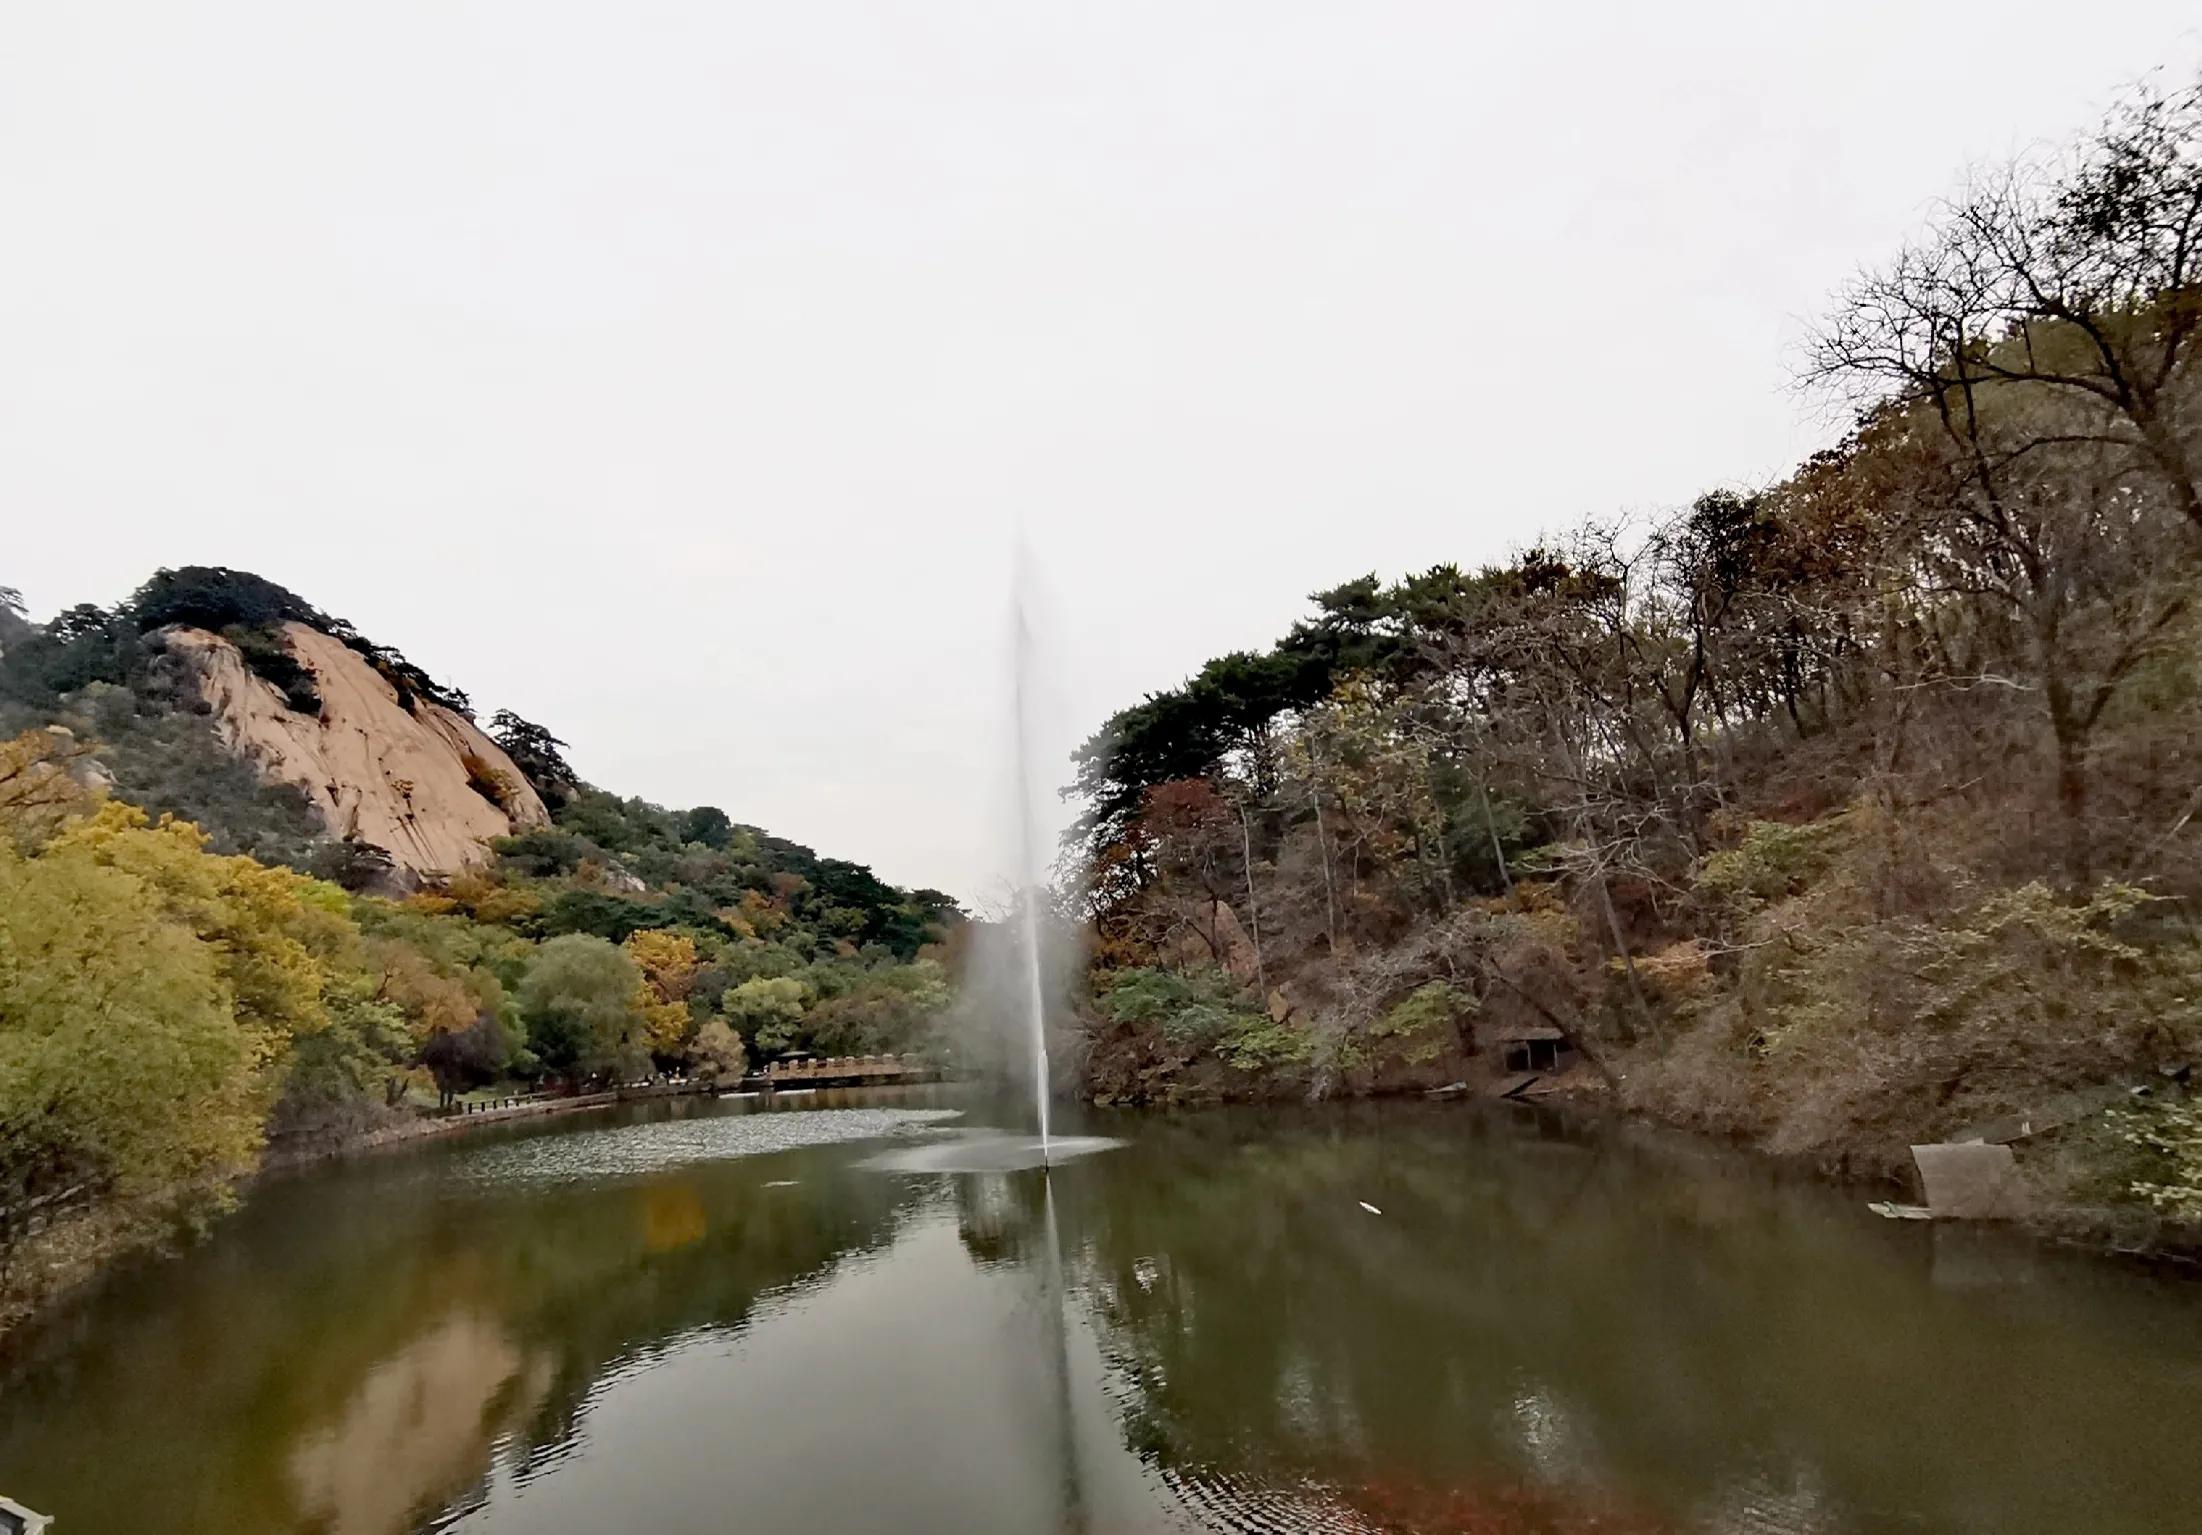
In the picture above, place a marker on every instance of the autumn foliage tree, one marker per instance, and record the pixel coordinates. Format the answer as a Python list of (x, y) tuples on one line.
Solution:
[(1931, 697), (668, 964)]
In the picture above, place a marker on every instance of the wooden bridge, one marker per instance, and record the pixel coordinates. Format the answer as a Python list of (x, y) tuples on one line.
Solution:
[(843, 1071)]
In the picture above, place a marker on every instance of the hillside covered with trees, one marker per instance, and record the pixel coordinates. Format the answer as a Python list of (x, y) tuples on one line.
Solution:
[(1837, 814), (191, 966)]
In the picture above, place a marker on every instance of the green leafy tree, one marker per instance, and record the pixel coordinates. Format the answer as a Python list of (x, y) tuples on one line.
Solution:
[(337, 1076), (579, 1002), (891, 1010), (538, 754), (599, 913), (709, 825), (768, 1010)]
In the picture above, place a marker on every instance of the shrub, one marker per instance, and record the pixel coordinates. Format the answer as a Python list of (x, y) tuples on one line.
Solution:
[(487, 781), (1879, 1031), (542, 852), (1204, 1012), (270, 659), (2168, 1139), (717, 1051), (1771, 860), (1420, 1025), (169, 761), (1186, 1006)]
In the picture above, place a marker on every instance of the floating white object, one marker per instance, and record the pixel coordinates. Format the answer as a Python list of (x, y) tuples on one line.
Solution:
[(1970, 1180), (1370, 1208), (15, 1519)]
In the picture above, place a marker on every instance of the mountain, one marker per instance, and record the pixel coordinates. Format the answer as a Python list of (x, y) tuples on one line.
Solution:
[(422, 783), (264, 881), (229, 701), (280, 731)]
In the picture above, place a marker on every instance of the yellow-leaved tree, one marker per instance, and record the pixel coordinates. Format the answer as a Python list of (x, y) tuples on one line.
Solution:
[(125, 1074), (276, 936), (668, 963), (37, 788)]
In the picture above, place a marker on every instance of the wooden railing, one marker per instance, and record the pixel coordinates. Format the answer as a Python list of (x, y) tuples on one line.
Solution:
[(817, 1071), (851, 1070)]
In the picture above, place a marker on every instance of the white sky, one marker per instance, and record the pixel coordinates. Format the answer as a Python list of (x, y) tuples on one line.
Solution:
[(676, 373)]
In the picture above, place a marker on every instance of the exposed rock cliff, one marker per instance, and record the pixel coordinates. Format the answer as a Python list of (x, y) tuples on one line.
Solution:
[(422, 783), (1209, 932)]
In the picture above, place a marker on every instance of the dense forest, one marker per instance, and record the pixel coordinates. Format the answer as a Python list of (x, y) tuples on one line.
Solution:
[(1836, 814), (190, 965)]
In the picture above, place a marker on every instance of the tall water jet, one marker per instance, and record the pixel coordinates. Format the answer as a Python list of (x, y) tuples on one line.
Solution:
[(1018, 965), (1038, 1016), (1031, 879)]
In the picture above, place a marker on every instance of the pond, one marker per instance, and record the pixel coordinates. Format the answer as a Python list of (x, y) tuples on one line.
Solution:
[(712, 1316)]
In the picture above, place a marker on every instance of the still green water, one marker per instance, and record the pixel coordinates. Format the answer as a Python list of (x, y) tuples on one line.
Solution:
[(711, 1317)]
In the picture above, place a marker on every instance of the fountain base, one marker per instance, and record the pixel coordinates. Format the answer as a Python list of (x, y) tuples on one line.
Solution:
[(989, 1154)]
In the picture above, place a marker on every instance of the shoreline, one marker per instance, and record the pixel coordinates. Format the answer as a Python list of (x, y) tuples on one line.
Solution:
[(89, 1248), (2128, 1237), (315, 1147), (64, 1261), (60, 1263), (310, 1148)]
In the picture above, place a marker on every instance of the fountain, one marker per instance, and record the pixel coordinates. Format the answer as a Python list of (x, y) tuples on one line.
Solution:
[(1029, 881), (1024, 954)]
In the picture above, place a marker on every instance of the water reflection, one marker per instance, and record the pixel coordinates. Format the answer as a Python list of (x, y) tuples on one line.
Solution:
[(350, 1351), (1553, 1329), (1545, 1330), (418, 1430)]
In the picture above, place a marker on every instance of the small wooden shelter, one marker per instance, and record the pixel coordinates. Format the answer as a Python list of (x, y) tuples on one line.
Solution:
[(1534, 1047)]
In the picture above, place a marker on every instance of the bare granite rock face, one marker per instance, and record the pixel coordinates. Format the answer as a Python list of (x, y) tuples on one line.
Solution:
[(422, 783)]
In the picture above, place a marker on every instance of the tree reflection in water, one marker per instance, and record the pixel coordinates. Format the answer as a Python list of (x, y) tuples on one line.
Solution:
[(356, 1375), (1556, 1328), (1545, 1330)]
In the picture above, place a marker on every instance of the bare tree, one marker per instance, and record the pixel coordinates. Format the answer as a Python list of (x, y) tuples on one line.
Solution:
[(2079, 277)]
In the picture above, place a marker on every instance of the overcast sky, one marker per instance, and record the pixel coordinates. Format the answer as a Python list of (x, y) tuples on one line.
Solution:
[(676, 374)]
